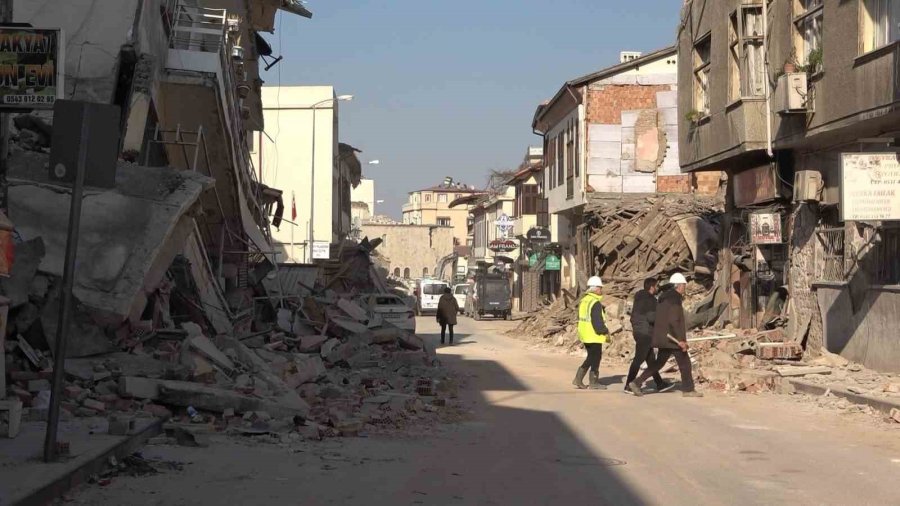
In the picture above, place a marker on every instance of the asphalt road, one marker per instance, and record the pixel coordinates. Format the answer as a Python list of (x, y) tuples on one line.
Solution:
[(533, 439)]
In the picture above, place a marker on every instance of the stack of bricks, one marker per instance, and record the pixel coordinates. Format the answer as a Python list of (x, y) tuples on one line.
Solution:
[(673, 184), (605, 103), (707, 183)]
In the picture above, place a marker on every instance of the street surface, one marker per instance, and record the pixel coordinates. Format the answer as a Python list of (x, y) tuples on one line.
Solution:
[(532, 439)]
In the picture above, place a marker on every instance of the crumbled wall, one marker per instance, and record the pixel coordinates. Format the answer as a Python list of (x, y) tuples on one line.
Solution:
[(802, 226)]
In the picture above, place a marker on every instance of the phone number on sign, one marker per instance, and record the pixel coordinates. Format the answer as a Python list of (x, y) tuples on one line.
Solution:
[(29, 99)]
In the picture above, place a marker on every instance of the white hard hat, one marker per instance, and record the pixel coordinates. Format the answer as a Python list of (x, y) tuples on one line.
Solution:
[(595, 282), (678, 279)]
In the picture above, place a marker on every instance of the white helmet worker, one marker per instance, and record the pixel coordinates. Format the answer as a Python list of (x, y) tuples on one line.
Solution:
[(595, 282), (677, 279)]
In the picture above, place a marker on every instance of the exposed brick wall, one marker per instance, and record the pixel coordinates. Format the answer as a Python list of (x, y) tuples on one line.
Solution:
[(707, 183), (605, 103), (673, 184)]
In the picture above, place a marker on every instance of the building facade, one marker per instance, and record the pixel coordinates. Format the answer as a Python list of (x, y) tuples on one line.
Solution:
[(431, 206), (613, 131), (362, 198), (300, 155), (798, 102)]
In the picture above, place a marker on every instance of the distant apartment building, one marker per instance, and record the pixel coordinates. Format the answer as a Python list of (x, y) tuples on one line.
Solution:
[(300, 155), (431, 206)]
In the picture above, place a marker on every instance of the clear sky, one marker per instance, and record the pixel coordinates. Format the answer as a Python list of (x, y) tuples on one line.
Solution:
[(449, 88)]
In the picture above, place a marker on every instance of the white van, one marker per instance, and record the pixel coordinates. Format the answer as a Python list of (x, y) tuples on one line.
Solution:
[(459, 293), (428, 293)]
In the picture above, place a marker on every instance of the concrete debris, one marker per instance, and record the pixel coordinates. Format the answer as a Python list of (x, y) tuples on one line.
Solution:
[(895, 415), (313, 365)]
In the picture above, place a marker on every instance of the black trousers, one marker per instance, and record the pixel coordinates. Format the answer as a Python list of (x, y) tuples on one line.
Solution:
[(594, 355), (444, 332), (643, 352), (684, 365)]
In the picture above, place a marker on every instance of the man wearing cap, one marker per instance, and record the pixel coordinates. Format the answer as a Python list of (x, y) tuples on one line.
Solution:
[(593, 333), (670, 336)]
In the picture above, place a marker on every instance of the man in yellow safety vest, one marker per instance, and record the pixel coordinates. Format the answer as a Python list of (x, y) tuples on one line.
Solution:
[(593, 333)]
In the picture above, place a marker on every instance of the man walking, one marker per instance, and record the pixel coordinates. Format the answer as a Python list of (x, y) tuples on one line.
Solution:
[(643, 315), (593, 333), (446, 313), (670, 336)]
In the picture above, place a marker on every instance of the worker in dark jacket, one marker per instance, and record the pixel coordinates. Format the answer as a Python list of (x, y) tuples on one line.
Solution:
[(643, 315), (446, 313), (670, 337), (593, 334)]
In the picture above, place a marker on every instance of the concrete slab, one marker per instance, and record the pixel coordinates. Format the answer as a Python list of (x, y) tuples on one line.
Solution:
[(27, 479)]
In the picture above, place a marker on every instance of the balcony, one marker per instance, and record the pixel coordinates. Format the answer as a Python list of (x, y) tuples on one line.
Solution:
[(197, 36)]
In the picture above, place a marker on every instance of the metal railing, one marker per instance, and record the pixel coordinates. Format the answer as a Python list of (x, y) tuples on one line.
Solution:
[(196, 28), (834, 253)]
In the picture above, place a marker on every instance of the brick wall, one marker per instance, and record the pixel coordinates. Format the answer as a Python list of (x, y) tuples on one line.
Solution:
[(605, 103), (673, 184), (707, 183)]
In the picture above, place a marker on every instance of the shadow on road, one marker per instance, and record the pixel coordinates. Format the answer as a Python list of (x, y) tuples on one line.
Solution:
[(526, 454)]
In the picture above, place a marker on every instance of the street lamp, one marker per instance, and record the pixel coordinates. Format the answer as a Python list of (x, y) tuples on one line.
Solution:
[(312, 181), (374, 162)]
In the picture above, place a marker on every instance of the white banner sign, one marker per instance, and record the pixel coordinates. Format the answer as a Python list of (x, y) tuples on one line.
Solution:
[(870, 186), (321, 250)]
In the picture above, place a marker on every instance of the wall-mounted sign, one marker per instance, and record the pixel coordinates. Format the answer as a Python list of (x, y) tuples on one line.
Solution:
[(765, 228), (532, 259), (504, 225), (31, 67), (870, 186), (502, 245), (552, 263), (321, 250), (754, 186), (538, 235)]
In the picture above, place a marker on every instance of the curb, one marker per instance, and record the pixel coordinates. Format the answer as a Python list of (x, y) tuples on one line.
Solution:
[(69, 480), (877, 403)]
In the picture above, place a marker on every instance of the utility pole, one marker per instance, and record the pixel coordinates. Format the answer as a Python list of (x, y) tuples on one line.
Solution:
[(6, 17)]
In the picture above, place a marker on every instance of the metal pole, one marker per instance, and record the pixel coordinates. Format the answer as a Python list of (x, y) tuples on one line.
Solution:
[(6, 16), (312, 188), (65, 306)]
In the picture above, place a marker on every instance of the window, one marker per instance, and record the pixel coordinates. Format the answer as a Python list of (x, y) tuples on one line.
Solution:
[(576, 156), (734, 59), (753, 70), (442, 198), (560, 160), (396, 272), (425, 272), (406, 273), (701, 75), (809, 32), (881, 23), (443, 222), (527, 199), (427, 197)]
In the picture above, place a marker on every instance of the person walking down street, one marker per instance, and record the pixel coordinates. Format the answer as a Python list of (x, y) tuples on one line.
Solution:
[(670, 337), (593, 333), (643, 315), (446, 313)]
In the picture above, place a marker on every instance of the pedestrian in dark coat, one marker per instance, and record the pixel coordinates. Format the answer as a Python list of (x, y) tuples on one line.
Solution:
[(670, 338), (643, 316), (446, 313)]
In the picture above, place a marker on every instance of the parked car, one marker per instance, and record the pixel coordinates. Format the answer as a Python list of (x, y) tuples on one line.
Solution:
[(459, 293), (391, 307), (428, 293)]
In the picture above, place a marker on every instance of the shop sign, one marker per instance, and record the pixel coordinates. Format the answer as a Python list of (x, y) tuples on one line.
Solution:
[(504, 225), (538, 235), (870, 186), (321, 250), (755, 186), (31, 67), (552, 263), (765, 228), (502, 245)]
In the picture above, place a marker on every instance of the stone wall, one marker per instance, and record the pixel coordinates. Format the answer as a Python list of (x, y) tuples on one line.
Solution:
[(413, 247)]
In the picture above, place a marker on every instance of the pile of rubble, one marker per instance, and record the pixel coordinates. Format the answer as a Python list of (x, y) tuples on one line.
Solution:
[(631, 239), (312, 363)]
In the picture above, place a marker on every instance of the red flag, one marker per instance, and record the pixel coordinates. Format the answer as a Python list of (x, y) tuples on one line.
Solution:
[(293, 208)]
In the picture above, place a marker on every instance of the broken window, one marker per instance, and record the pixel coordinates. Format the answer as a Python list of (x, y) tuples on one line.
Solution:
[(701, 75), (881, 23), (808, 24), (834, 264)]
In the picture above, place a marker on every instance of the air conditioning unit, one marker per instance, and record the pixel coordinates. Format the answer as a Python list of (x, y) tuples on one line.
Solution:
[(791, 93), (807, 185)]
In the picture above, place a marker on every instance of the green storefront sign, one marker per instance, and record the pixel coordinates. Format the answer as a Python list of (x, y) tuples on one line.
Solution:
[(552, 263), (532, 260)]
